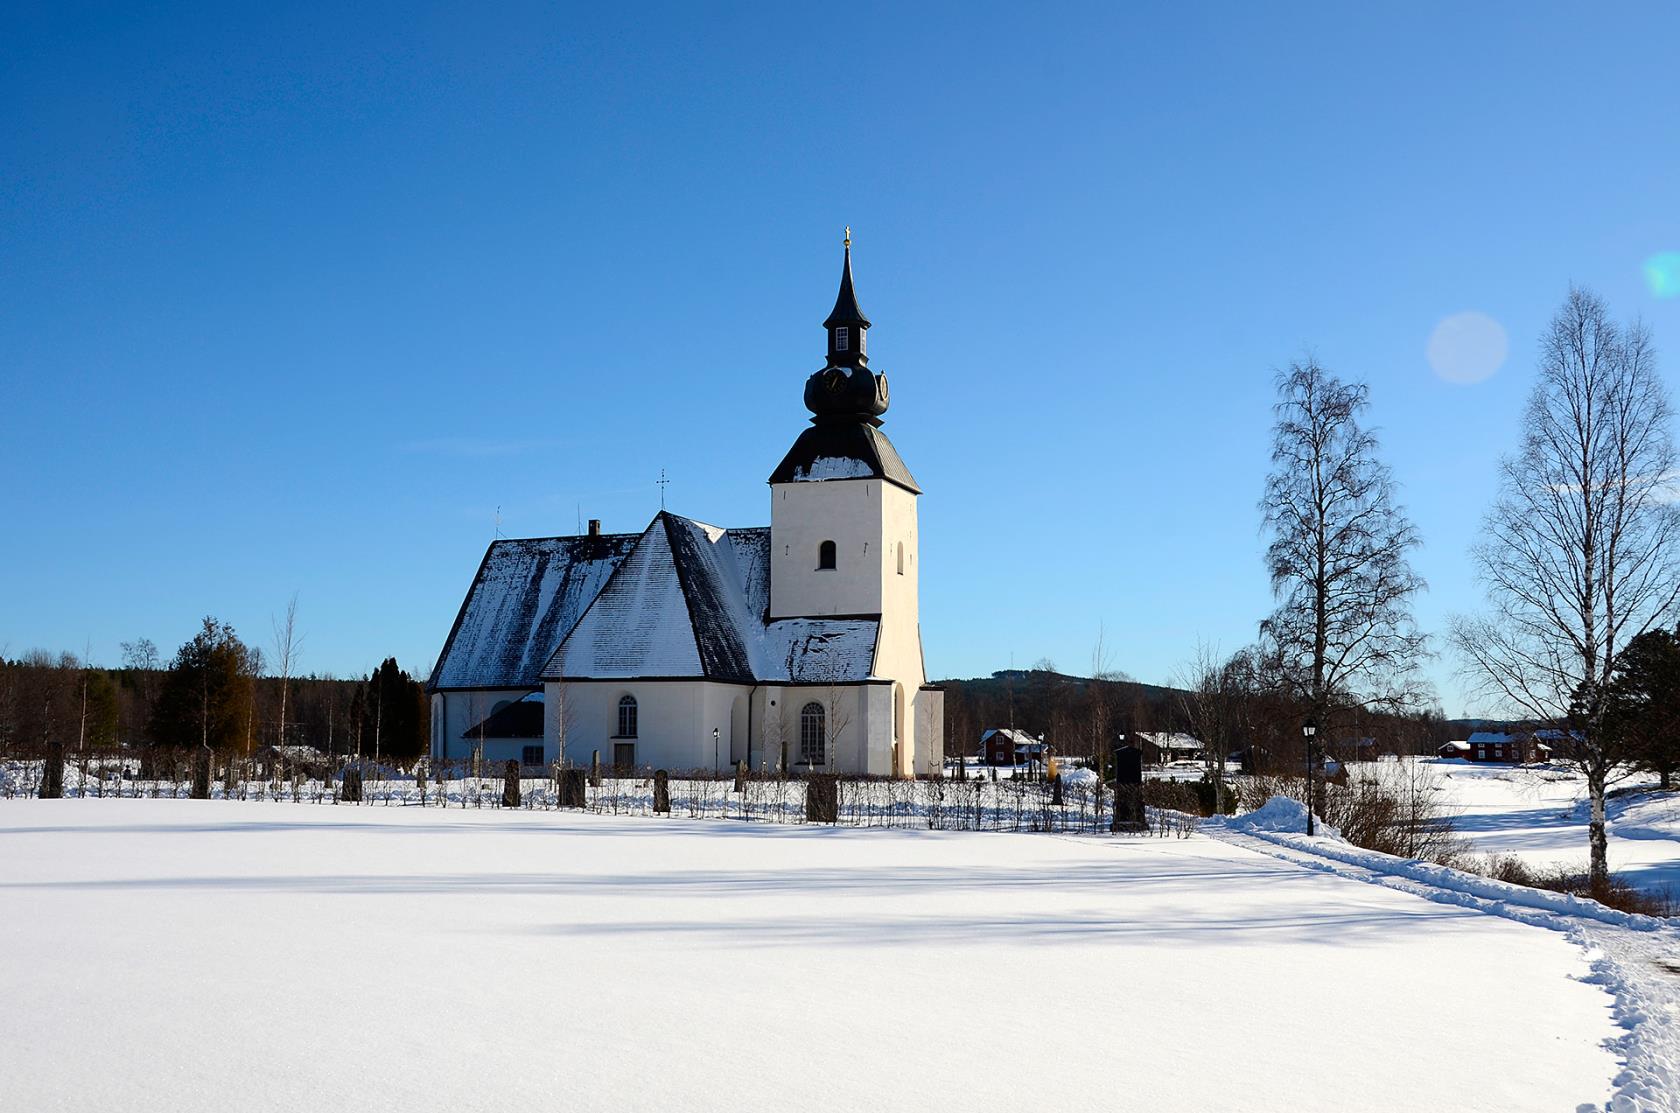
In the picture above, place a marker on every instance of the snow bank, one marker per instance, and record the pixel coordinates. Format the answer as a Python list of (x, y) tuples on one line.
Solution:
[(1280, 814), (1449, 881)]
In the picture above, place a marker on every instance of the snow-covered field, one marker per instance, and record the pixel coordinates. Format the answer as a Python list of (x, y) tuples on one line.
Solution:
[(1539, 814), (220, 955)]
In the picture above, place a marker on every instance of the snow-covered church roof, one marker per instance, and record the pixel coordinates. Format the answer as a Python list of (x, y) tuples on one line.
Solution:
[(527, 596), (690, 601), (682, 599), (847, 450)]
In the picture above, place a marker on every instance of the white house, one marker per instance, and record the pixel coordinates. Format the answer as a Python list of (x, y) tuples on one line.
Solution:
[(689, 646)]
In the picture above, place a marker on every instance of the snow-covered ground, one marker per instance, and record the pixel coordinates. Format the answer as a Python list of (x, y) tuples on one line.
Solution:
[(1636, 958), (1539, 814), (215, 955)]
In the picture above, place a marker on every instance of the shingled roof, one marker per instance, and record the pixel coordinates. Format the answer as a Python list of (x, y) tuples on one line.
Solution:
[(681, 599), (690, 602), (843, 450), (526, 597)]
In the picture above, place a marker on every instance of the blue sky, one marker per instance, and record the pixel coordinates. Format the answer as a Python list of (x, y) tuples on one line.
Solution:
[(295, 299)]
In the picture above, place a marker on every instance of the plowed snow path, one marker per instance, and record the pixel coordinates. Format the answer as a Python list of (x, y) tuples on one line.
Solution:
[(208, 955), (1635, 958)]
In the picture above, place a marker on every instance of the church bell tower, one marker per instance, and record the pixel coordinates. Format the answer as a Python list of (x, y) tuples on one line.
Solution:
[(843, 513), (844, 540)]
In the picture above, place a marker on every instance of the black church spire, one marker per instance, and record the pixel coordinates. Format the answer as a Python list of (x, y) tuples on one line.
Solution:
[(846, 399), (847, 325)]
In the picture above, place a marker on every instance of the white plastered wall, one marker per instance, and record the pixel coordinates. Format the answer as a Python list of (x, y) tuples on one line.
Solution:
[(454, 713), (855, 740), (869, 520), (674, 720)]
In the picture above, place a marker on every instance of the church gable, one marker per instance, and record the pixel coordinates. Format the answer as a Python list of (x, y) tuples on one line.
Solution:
[(690, 602), (527, 595), (638, 625)]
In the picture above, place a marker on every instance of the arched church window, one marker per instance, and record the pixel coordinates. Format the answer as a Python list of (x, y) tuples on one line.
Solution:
[(825, 555), (627, 717), (901, 558), (813, 734)]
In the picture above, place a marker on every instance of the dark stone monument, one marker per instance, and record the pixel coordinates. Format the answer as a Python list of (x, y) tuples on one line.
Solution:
[(740, 776), (52, 774), (595, 770), (662, 791), (420, 779), (201, 775), (572, 792), (822, 798), (510, 785), (351, 793), (1056, 791), (1128, 790)]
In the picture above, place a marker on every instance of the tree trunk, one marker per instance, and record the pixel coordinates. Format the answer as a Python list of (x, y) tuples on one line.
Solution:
[(1596, 836)]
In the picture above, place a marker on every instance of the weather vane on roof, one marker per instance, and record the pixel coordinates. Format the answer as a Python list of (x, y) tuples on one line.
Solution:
[(848, 240), (663, 483)]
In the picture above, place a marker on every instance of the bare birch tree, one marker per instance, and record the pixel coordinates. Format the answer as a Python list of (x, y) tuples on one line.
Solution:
[(287, 642), (1338, 553), (1579, 552), (1211, 692)]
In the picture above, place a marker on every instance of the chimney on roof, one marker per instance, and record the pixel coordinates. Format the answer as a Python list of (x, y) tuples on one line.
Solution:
[(594, 527)]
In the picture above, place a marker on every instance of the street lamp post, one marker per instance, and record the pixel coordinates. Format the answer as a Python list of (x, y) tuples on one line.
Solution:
[(1308, 730), (715, 766)]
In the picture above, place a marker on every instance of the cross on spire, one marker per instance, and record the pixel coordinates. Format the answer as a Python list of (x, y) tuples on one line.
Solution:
[(663, 483)]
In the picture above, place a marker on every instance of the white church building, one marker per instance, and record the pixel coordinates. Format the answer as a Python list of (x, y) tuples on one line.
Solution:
[(689, 646)]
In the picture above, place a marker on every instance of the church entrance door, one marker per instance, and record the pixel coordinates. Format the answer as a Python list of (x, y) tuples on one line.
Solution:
[(624, 757)]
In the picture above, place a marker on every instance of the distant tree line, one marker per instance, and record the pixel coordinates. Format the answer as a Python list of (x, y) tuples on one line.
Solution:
[(215, 692), (1233, 705)]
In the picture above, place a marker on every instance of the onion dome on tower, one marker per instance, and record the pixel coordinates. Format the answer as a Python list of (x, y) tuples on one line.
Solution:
[(847, 399)]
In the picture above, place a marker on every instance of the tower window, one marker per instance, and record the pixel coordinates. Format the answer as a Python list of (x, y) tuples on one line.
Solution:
[(842, 338), (825, 555), (901, 558), (813, 734), (627, 717)]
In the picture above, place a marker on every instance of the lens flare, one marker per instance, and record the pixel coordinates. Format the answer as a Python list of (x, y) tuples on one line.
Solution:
[(1467, 347), (1662, 272)]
